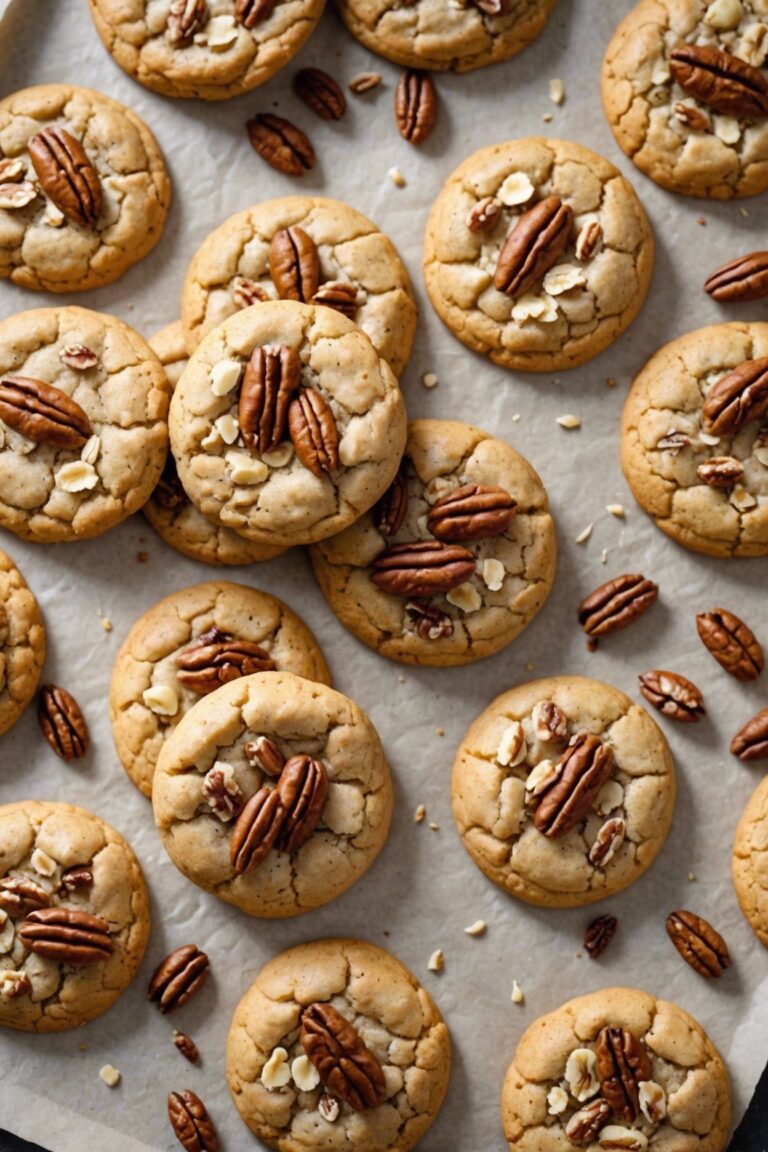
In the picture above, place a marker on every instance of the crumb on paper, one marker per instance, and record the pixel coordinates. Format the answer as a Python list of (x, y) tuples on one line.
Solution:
[(547, 117), (401, 679), (584, 535), (434, 827), (611, 382), (109, 1075), (83, 1047), (106, 623), (517, 993), (604, 556), (744, 213), (568, 421), (429, 380), (419, 814), (691, 875), (529, 667), (397, 177), (436, 961), (479, 928), (557, 91), (616, 510), (142, 557), (364, 82), (702, 221), (516, 417), (439, 731)]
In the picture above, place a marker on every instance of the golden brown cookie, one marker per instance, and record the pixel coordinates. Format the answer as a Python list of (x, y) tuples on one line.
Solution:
[(22, 643), (750, 847)]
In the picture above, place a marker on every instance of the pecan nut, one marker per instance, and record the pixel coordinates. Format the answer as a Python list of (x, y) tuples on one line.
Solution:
[(429, 622), (493, 7), (320, 92), (263, 753), (271, 377), (721, 471), (609, 839), (598, 935), (178, 977), (698, 943), (205, 665), (390, 512), (313, 431), (62, 723), (484, 216), (579, 775), (751, 740), (536, 243), (294, 264), (422, 568), (246, 292), (43, 413), (583, 1127), (303, 790), (472, 512), (185, 18), (339, 295), (415, 106), (191, 1123), (673, 695), (15, 196), (249, 13), (737, 398), (745, 278), (622, 1063), (67, 935), (255, 831), (75, 880), (347, 1067), (281, 144), (732, 643), (549, 722), (723, 82), (616, 604), (187, 1047), (66, 174), (21, 894), (221, 790)]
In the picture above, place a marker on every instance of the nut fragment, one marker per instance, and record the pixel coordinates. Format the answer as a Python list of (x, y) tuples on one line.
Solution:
[(731, 642), (328, 1106), (276, 1072), (186, 1046), (364, 82), (581, 1074), (161, 699), (339, 295), (303, 788), (653, 1101), (751, 740), (549, 722), (249, 13), (598, 935), (109, 1075), (579, 775), (191, 1123), (215, 658), (246, 292), (263, 753), (221, 790), (534, 246), (616, 604), (699, 944), (15, 196), (692, 117), (75, 880), (320, 92), (557, 1101), (588, 240), (178, 977), (622, 1062), (281, 144), (66, 174), (512, 748), (485, 215), (415, 105), (21, 894), (14, 984), (673, 695), (78, 356), (389, 513), (347, 1067), (614, 1137), (256, 830), (294, 264), (428, 622), (62, 723), (584, 1125), (721, 471), (305, 1075), (12, 170), (185, 18)]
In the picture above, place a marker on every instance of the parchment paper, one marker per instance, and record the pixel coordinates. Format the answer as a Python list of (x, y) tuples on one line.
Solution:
[(424, 890)]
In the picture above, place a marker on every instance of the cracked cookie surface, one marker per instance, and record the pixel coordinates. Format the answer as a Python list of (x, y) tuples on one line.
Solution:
[(494, 809), (684, 1064), (442, 455), (22, 643), (672, 137), (147, 660), (42, 249), (581, 305), (396, 1018), (750, 862), (223, 58), (44, 842), (301, 718), (662, 445)]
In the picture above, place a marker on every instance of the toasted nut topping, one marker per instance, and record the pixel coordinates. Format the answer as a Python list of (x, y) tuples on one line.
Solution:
[(305, 1075), (599, 934), (436, 961), (109, 1075), (512, 748), (276, 1073), (581, 1074), (699, 944), (161, 699)]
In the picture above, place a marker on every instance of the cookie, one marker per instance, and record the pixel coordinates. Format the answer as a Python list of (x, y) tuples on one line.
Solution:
[(74, 916), (151, 688), (339, 995), (286, 425), (169, 511), (749, 862), (618, 1068), (22, 643), (682, 135), (537, 253), (563, 791), (694, 440), (84, 191), (273, 794), (457, 487), (431, 34), (230, 271), (83, 409), (209, 52)]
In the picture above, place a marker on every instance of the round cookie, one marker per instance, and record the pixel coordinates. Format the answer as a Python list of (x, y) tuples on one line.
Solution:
[(148, 662), (231, 270), (519, 827), (22, 643), (211, 58), (555, 1075), (93, 448), (351, 794), (666, 436), (563, 311), (514, 569), (749, 857), (43, 244), (367, 997), (681, 142), (325, 371), (55, 858), (169, 511), (432, 34)]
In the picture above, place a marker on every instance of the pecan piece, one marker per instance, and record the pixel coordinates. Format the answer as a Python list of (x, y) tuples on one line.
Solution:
[(364, 82), (737, 398), (21, 894), (75, 880), (78, 356), (14, 196), (191, 1123), (583, 1127), (721, 81), (249, 13), (256, 830), (616, 604), (694, 118), (339, 295), (493, 7), (429, 622), (389, 513), (673, 695), (485, 214), (178, 977), (43, 413), (549, 722), (698, 943), (294, 264), (415, 105), (607, 842), (751, 740), (313, 431), (536, 243), (303, 790), (62, 723), (745, 278), (320, 92), (67, 935), (347, 1067), (221, 790), (472, 512), (12, 170), (579, 775), (732, 643), (271, 377), (328, 1107), (186, 1046), (185, 18), (598, 935), (281, 144), (66, 174), (422, 568), (721, 471), (622, 1063), (14, 984), (246, 292), (205, 665), (263, 753), (169, 493)]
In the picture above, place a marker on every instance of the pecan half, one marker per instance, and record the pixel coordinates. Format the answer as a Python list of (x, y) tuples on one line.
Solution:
[(751, 740), (347, 1067), (62, 723), (185, 18), (429, 622), (281, 144), (15, 196), (303, 790), (415, 105), (43, 413), (485, 214), (622, 1063), (536, 243), (271, 377), (731, 642), (249, 13), (472, 512), (294, 264), (313, 431), (191, 1123), (66, 174), (721, 471), (616, 604), (339, 295), (67, 935), (598, 935), (21, 894), (721, 81), (169, 493), (178, 977), (422, 568), (263, 753), (75, 880), (389, 513), (256, 830), (187, 1047), (583, 1127), (698, 943), (579, 775), (673, 695), (737, 398), (204, 667), (745, 278), (320, 92)]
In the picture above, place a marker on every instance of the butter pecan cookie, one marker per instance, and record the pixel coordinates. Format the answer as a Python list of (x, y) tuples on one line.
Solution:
[(694, 439), (74, 916), (563, 791), (749, 862), (618, 1068), (83, 432), (686, 95), (22, 643), (538, 253), (306, 248), (336, 1045), (455, 559), (186, 646), (84, 191), (286, 425), (433, 34), (206, 49)]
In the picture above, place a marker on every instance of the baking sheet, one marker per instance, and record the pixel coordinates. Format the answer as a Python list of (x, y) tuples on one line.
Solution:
[(423, 891)]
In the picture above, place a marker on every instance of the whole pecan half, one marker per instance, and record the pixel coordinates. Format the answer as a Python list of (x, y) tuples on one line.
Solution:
[(178, 977), (598, 935), (303, 790), (584, 1126), (205, 665), (313, 431), (721, 471), (698, 943), (67, 935), (429, 622), (423, 568), (745, 278), (66, 174), (472, 512), (616, 604), (347, 1067), (185, 18), (536, 243), (721, 81), (255, 831), (271, 377), (21, 894), (294, 264), (191, 1123), (320, 92), (751, 740), (43, 413), (732, 643), (579, 775), (622, 1063), (737, 398), (415, 105), (673, 695), (62, 723), (249, 13), (339, 295), (169, 493), (484, 216), (389, 513), (281, 144)]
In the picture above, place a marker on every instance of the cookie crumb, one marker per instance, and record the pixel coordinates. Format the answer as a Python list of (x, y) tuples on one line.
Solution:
[(364, 82), (429, 380), (142, 557), (604, 556), (702, 221), (419, 814), (106, 623), (556, 91), (109, 1075), (397, 177), (568, 421), (584, 535), (547, 117), (529, 667), (434, 827), (517, 993), (691, 876), (479, 928), (516, 417), (611, 382), (616, 510), (439, 731), (436, 961), (83, 1047), (744, 213)]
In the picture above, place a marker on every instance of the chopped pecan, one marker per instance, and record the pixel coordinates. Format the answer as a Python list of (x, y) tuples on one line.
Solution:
[(364, 82), (14, 984), (78, 356), (347, 1067), (429, 622), (493, 7), (294, 264), (692, 117), (256, 830), (246, 292), (472, 512), (263, 753), (339, 295), (14, 196), (313, 431), (549, 722), (485, 215), (389, 513), (66, 174), (415, 105), (579, 775), (271, 377), (584, 1126), (673, 442), (191, 1123), (75, 880), (207, 664), (422, 568), (622, 1063), (12, 170), (723, 82), (281, 144), (303, 790), (178, 977), (62, 723), (588, 239), (732, 643), (699, 944), (721, 471), (328, 1107), (21, 894), (737, 398), (320, 92), (609, 839), (751, 740), (745, 278), (598, 935), (249, 13), (186, 1046), (616, 604), (673, 695), (185, 18), (67, 935), (43, 413), (221, 790), (536, 243)]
